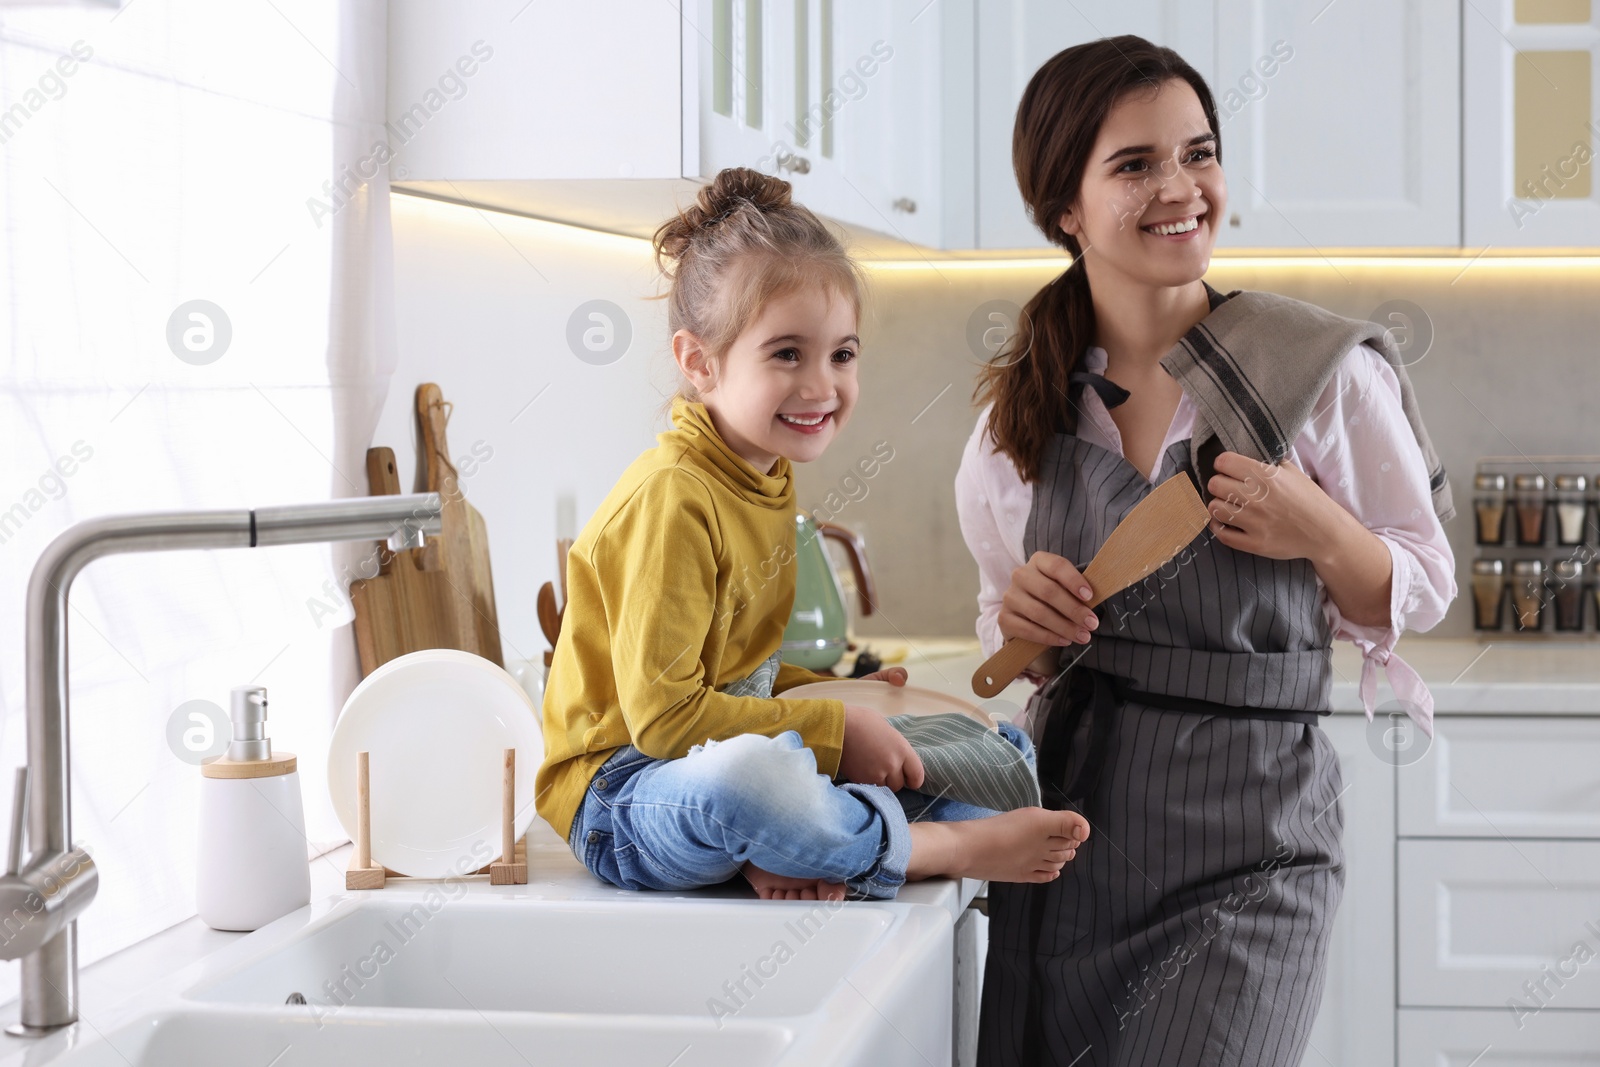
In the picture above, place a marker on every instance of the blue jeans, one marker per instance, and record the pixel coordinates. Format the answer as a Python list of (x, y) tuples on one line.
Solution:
[(686, 823)]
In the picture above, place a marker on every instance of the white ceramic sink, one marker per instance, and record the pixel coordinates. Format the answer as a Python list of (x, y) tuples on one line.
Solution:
[(408, 975)]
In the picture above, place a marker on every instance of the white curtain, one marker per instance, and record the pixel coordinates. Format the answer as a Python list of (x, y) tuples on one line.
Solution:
[(180, 151)]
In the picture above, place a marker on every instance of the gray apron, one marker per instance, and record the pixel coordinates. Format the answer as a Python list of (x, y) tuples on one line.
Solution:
[(1192, 928)]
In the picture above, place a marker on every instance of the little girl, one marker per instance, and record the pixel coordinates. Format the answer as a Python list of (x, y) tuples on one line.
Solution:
[(668, 763)]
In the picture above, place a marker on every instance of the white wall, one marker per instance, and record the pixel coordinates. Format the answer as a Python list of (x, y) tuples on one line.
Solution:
[(482, 306)]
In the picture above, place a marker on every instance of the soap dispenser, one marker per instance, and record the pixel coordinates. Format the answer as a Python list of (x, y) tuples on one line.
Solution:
[(252, 861)]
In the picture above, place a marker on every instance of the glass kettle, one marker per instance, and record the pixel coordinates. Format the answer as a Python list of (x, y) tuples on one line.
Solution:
[(819, 625)]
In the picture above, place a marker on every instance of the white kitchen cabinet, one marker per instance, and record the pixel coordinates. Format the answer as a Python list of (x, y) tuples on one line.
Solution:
[(1494, 1039), (550, 91), (1340, 123), (610, 115), (1530, 123), (1355, 1025), (1014, 39), (1505, 778), (845, 101), (1484, 923)]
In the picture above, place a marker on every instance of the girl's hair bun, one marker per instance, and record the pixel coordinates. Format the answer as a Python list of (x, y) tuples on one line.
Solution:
[(733, 190)]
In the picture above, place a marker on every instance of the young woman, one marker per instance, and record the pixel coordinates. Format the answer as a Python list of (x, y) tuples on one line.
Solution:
[(671, 759), (1181, 716)]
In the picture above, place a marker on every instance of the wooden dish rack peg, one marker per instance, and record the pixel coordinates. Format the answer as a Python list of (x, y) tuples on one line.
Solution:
[(510, 869)]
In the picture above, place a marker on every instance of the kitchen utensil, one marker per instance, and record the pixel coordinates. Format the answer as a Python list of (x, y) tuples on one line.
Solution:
[(461, 551), (404, 606), (819, 625), (549, 614), (563, 546), (891, 700), (1158, 528), (436, 724)]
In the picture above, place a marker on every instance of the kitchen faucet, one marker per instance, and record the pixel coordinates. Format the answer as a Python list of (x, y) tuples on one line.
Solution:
[(40, 900)]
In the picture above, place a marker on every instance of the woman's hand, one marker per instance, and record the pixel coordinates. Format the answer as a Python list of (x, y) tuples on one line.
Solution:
[(1280, 513), (875, 753), (893, 675), (1047, 603), (1275, 511)]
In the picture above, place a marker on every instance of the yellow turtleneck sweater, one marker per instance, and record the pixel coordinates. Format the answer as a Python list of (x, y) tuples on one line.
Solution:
[(681, 583)]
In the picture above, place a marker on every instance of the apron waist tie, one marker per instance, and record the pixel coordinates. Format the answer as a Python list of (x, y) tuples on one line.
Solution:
[(1080, 691)]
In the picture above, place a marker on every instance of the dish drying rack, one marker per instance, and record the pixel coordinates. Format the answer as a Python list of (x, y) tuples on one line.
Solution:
[(510, 869)]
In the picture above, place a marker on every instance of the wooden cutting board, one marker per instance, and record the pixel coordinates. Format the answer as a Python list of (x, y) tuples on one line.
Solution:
[(461, 551), (406, 606)]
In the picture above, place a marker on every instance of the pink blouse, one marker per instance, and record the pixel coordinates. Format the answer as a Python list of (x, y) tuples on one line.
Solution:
[(1357, 446)]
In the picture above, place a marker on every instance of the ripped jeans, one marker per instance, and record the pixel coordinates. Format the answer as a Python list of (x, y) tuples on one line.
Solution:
[(686, 823)]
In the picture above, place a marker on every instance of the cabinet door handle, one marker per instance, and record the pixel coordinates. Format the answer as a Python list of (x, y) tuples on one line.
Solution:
[(906, 204), (795, 164)]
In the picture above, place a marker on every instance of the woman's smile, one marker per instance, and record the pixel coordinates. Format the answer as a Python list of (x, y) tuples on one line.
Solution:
[(1177, 228)]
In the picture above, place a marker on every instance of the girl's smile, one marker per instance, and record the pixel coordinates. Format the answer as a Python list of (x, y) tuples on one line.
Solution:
[(807, 422)]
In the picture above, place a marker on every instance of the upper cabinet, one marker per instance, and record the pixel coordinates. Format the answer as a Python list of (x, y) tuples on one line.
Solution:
[(1339, 121), (1530, 124), (500, 90), (608, 115), (1399, 124), (1015, 38), (847, 101)]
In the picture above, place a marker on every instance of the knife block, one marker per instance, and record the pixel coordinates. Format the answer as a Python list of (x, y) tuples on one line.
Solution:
[(510, 869)]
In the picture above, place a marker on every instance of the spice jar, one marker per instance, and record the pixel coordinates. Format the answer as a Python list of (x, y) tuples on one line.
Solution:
[(1488, 593), (1490, 506), (1530, 503), (1572, 508), (1566, 586), (1527, 592), (1594, 590)]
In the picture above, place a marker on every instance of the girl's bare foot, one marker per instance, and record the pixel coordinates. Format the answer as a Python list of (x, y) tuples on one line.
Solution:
[(769, 886), (1025, 845)]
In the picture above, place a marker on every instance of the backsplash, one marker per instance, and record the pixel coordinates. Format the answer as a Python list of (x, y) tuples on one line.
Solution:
[(1501, 360)]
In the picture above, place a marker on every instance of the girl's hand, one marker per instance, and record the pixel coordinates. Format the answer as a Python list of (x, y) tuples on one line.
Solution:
[(1275, 511), (892, 675), (875, 753), (1047, 603)]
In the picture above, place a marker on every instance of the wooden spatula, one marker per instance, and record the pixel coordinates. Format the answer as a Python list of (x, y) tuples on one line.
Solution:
[(1157, 529)]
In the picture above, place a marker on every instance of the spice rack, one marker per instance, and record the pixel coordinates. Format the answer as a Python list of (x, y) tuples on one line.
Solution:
[(1536, 535)]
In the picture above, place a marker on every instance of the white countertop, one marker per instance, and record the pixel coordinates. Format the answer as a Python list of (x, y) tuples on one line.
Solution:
[(1548, 676)]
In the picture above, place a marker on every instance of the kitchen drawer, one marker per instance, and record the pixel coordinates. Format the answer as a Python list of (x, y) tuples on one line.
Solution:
[(1493, 1039), (1505, 777), (1479, 919)]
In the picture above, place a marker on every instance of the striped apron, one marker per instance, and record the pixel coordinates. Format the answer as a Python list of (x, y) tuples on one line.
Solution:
[(1192, 929)]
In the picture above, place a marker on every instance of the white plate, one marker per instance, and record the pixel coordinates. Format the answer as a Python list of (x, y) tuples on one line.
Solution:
[(435, 725), (891, 700)]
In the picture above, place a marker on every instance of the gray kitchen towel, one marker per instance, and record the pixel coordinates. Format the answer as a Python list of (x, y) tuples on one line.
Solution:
[(966, 761), (759, 682), (1259, 362)]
